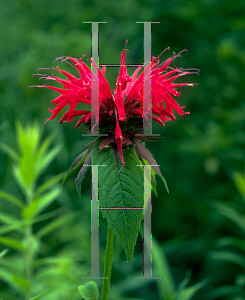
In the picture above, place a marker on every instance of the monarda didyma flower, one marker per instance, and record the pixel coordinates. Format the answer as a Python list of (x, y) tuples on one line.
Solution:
[(120, 113)]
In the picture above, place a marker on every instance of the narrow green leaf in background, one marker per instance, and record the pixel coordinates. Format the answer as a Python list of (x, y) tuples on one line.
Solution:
[(4, 252), (36, 297), (189, 292), (11, 199), (12, 243)]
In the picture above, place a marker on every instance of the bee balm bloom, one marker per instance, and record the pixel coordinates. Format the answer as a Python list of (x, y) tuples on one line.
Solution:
[(121, 112)]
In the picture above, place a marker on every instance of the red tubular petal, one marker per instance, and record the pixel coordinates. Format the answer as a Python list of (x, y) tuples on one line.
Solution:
[(118, 132), (63, 118), (61, 91), (119, 145), (58, 99), (68, 75), (88, 117), (120, 106), (79, 65), (80, 121), (158, 120)]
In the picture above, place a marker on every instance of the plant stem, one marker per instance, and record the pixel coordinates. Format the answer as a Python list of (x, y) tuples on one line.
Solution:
[(29, 250), (108, 264)]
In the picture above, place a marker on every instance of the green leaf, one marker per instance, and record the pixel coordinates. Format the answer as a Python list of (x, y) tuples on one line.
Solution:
[(153, 180), (46, 185), (14, 244), (9, 151), (44, 147), (124, 189), (16, 282), (231, 214), (3, 253), (226, 290), (89, 291), (228, 257), (11, 199), (79, 159), (7, 219), (43, 292), (19, 225), (77, 162), (40, 204), (21, 281), (55, 224), (189, 292), (81, 174), (231, 242), (239, 179), (28, 137), (166, 284), (43, 161), (19, 180)]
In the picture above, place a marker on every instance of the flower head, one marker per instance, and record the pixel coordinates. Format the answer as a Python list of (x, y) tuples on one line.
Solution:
[(121, 113)]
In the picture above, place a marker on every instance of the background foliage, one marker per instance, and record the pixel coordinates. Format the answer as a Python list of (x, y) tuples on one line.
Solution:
[(196, 225)]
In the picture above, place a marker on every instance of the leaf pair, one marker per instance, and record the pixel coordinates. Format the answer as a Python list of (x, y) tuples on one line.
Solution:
[(121, 188)]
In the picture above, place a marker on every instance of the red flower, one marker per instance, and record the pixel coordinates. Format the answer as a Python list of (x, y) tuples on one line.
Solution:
[(120, 114)]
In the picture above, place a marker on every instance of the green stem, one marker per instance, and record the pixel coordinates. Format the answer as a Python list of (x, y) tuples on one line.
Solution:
[(108, 264), (29, 255)]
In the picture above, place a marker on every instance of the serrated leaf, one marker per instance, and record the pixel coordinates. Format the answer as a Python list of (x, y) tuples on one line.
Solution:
[(89, 291), (124, 189), (81, 174)]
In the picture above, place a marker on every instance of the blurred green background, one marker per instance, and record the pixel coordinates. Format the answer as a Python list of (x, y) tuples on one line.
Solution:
[(197, 154)]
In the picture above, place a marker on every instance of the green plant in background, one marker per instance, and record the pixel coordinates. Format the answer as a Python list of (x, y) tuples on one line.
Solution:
[(16, 231), (231, 249)]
